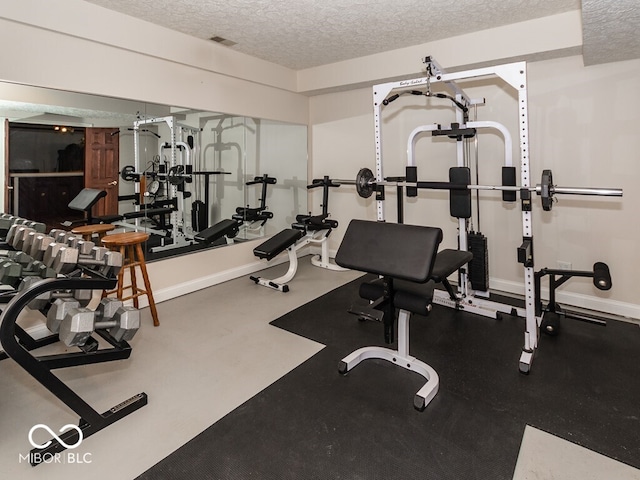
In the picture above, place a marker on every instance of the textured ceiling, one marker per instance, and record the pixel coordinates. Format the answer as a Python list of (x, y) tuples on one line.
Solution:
[(611, 30), (304, 33)]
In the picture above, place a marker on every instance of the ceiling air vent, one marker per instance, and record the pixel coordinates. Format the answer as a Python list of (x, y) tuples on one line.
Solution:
[(223, 41)]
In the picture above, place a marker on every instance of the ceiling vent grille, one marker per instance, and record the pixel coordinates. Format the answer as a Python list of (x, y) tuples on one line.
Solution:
[(223, 41)]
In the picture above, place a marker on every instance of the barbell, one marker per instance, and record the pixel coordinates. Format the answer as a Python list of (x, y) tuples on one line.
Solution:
[(366, 184)]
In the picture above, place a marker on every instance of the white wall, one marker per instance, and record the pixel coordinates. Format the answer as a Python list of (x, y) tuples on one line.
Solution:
[(581, 127)]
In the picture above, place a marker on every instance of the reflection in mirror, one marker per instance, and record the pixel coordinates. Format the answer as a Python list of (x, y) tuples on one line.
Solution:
[(191, 179)]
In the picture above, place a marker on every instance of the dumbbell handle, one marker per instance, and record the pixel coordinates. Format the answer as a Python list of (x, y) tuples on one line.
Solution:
[(104, 324), (88, 260)]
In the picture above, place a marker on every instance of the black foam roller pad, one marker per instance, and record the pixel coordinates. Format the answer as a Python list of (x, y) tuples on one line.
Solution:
[(414, 303), (372, 290), (460, 200), (601, 276)]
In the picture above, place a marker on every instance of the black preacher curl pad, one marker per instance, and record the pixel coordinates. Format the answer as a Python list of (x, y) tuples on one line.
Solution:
[(395, 250)]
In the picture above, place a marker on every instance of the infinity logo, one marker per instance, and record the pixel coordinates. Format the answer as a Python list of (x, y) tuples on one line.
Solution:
[(56, 437)]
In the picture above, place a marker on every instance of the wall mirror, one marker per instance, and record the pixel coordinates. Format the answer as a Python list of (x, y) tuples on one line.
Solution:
[(192, 179)]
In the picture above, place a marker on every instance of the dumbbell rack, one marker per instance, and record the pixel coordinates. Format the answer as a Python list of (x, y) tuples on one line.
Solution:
[(18, 345)]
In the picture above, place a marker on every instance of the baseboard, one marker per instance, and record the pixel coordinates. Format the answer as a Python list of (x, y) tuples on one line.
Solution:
[(216, 278), (613, 307)]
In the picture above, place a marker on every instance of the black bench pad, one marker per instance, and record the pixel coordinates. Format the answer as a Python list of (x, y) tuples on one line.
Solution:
[(395, 250), (447, 262), (278, 243), (86, 199), (217, 231), (107, 219)]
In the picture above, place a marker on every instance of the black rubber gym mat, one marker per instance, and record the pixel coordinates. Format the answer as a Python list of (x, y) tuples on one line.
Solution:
[(316, 424)]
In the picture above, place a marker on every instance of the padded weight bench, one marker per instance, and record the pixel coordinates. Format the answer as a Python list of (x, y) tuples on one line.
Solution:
[(284, 240), (278, 243), (449, 261), (84, 202), (404, 256), (228, 228), (307, 229)]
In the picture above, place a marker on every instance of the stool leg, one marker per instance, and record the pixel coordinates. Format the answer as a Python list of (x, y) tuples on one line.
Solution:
[(147, 285), (132, 274), (120, 288)]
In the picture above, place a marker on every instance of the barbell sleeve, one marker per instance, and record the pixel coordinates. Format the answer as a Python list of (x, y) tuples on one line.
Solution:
[(607, 192)]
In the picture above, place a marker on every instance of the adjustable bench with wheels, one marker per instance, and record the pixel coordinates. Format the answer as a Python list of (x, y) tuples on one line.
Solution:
[(306, 230), (246, 216), (404, 256)]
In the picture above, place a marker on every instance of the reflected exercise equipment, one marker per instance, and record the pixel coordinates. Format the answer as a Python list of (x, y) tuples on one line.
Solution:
[(308, 229)]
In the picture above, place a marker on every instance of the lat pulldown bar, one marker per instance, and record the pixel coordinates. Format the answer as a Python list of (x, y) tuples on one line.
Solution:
[(366, 184)]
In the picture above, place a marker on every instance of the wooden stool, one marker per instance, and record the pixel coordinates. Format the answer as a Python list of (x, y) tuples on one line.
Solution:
[(129, 244), (87, 231)]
